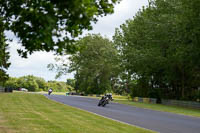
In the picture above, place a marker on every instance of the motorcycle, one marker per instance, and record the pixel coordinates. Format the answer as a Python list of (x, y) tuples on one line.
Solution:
[(105, 100), (50, 91)]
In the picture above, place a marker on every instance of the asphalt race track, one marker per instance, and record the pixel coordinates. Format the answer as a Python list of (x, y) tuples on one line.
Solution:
[(154, 120)]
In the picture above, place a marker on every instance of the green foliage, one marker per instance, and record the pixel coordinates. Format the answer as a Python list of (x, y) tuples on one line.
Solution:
[(33, 83), (51, 25), (4, 55), (28, 82), (95, 65), (12, 83), (41, 83), (58, 86), (47, 25), (71, 82), (160, 49)]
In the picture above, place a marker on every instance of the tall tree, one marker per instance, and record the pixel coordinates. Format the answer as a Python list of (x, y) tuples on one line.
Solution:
[(71, 82), (95, 64), (28, 82), (160, 48), (41, 83), (4, 54)]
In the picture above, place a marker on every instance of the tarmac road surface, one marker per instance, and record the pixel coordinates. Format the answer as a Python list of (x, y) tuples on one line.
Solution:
[(162, 122)]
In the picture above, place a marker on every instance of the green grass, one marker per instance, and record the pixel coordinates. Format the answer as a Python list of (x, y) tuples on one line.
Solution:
[(33, 113), (163, 108)]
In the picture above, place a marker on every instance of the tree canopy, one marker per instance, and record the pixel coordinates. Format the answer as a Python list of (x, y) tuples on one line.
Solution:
[(160, 49), (51, 25), (4, 54), (94, 64), (33, 83)]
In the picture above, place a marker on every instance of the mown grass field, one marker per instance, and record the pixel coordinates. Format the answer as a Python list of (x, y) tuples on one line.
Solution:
[(34, 113)]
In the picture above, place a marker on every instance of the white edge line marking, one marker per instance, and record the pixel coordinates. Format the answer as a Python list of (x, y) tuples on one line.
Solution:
[(103, 116)]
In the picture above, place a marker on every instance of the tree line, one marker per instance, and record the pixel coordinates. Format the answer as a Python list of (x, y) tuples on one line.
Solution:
[(33, 83), (155, 54), (160, 50)]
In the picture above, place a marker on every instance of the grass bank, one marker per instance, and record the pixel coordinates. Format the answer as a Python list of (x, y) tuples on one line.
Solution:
[(163, 108), (33, 113)]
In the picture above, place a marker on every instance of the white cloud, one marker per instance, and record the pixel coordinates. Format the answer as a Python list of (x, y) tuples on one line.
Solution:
[(36, 64), (123, 11)]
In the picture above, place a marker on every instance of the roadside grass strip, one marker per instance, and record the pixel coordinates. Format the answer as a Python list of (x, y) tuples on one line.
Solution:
[(33, 113), (164, 108)]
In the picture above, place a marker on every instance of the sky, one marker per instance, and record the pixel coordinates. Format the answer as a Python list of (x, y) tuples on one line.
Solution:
[(36, 64)]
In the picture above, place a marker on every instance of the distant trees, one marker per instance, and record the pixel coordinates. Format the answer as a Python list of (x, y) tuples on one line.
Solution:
[(71, 82), (12, 83), (94, 64), (28, 82), (33, 83), (59, 86), (42, 85)]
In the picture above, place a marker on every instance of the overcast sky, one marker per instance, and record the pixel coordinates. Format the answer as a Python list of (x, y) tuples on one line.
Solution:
[(36, 64)]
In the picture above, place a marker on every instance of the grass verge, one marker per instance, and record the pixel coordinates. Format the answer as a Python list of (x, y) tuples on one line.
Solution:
[(33, 113), (163, 108)]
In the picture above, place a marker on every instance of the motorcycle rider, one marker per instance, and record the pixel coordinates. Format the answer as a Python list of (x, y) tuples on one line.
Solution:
[(105, 99), (109, 95), (50, 91)]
